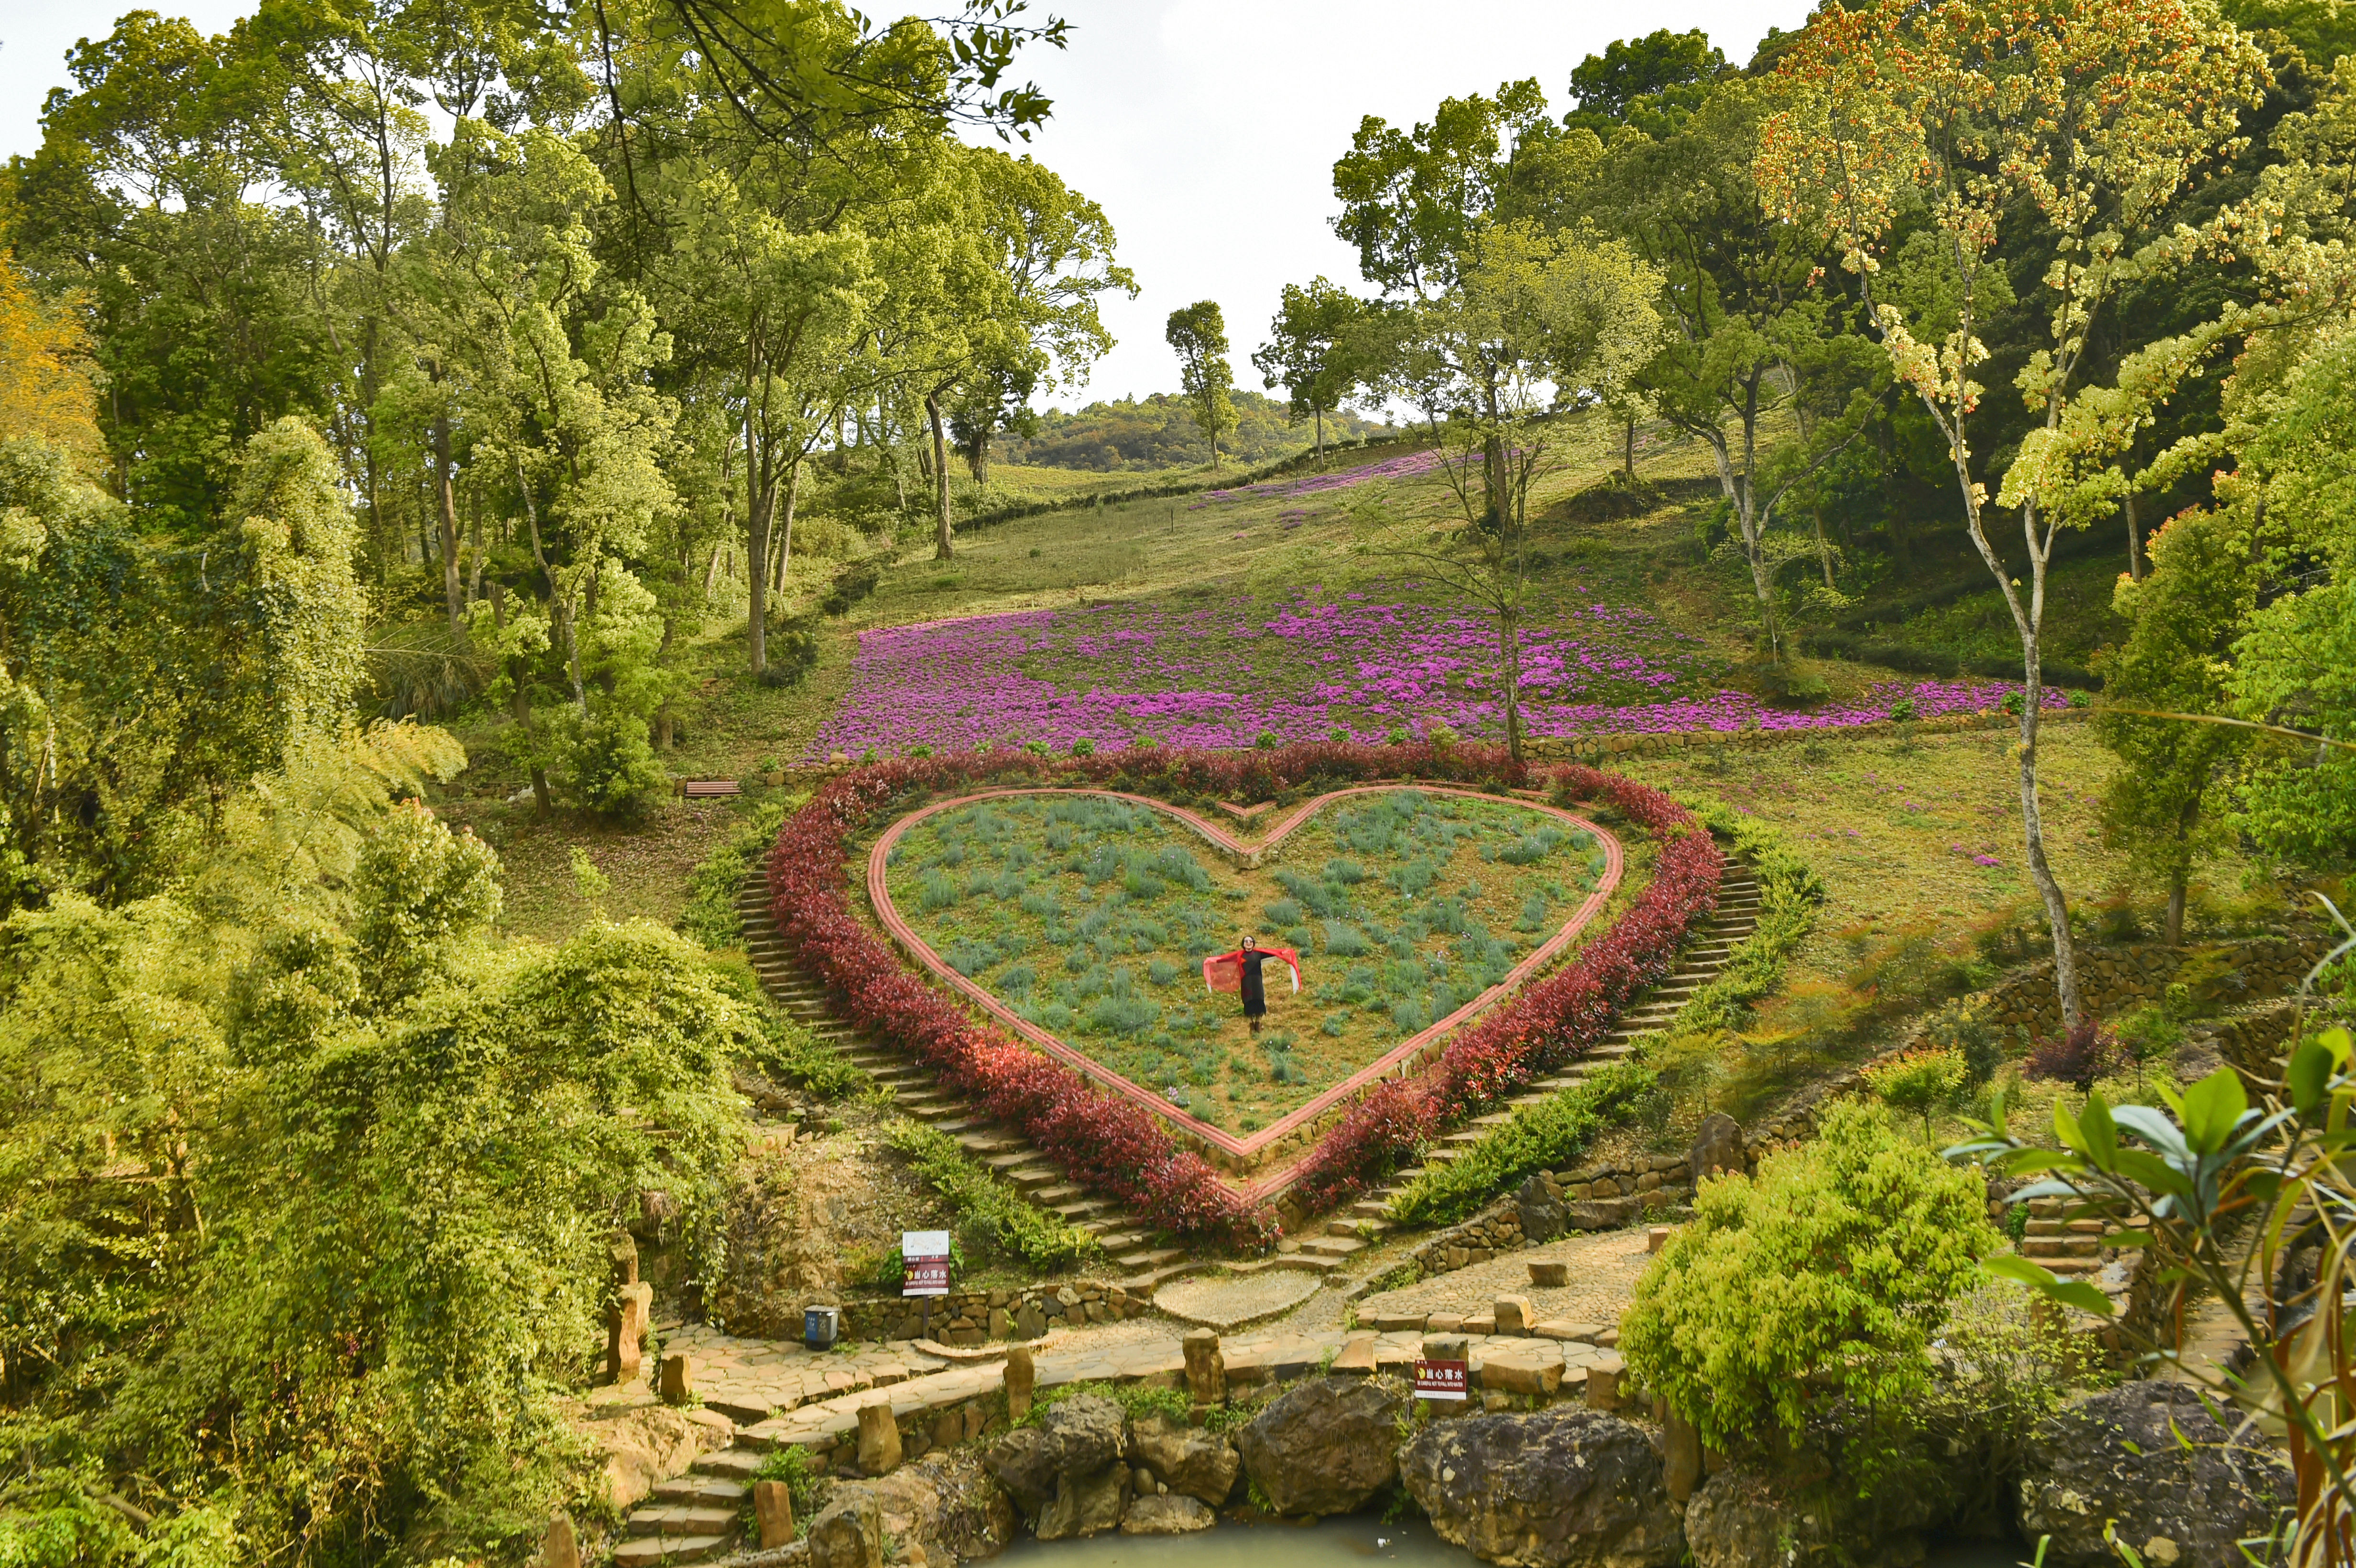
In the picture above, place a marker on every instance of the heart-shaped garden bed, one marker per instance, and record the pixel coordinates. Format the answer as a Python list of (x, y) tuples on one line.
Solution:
[(1081, 917)]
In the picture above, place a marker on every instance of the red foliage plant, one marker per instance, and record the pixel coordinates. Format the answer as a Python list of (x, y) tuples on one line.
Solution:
[(1117, 1147), (1559, 1018), (2076, 1058)]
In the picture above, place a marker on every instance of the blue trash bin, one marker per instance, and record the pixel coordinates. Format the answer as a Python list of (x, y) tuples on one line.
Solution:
[(822, 1326)]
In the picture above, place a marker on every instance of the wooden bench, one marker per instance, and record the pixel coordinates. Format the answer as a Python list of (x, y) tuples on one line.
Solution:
[(698, 789)]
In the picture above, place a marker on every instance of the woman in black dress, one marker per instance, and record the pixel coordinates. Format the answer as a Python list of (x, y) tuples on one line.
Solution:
[(1255, 989)]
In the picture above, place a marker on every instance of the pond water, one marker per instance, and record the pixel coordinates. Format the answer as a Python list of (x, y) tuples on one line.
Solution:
[(1344, 1542)]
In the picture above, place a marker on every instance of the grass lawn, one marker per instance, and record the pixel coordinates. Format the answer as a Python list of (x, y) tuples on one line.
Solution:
[(1920, 846), (1092, 916)]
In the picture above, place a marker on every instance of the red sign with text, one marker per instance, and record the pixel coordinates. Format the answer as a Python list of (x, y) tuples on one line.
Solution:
[(1441, 1380), (925, 1255)]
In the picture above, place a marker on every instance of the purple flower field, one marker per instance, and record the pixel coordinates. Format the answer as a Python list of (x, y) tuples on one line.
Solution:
[(1223, 674), (1407, 467)]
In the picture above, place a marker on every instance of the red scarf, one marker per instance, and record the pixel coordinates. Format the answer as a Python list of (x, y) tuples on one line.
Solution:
[(1224, 971)]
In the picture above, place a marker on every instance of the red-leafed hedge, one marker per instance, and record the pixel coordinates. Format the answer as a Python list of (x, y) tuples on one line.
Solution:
[(1117, 1147), (1553, 1021)]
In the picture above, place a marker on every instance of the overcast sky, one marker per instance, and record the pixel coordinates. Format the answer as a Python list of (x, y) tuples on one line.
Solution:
[(1206, 128)]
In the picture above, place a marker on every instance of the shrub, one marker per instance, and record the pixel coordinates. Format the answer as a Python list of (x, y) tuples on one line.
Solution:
[(792, 649), (2076, 1058), (1084, 747), (1918, 1082), (1903, 711), (1012, 1224), (1822, 1280), (611, 768), (711, 888), (851, 584)]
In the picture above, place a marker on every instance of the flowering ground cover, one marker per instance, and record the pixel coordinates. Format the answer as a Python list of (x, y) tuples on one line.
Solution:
[(1414, 464), (1356, 666), (1092, 916)]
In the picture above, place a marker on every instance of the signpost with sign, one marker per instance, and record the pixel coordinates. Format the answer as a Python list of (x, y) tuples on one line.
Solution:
[(925, 1257), (1443, 1380)]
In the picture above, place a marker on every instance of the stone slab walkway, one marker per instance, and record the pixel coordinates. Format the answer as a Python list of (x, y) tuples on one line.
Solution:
[(1602, 1270), (828, 1390)]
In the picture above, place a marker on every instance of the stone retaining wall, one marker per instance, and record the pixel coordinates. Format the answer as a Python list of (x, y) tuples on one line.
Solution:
[(967, 1317)]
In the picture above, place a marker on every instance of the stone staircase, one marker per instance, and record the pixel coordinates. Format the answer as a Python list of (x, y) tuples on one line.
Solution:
[(1737, 918), (692, 1517), (1144, 1259)]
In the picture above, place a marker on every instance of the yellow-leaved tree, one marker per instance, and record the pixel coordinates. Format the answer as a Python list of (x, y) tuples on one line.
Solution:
[(45, 385)]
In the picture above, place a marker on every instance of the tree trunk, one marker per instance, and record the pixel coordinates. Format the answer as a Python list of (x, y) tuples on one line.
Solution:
[(1510, 634), (1628, 458), (1823, 548), (1321, 438), (475, 570), (942, 549), (560, 608), (446, 499), (2030, 623), (519, 707), (759, 499), (2174, 935), (711, 574), (2135, 540), (786, 538)]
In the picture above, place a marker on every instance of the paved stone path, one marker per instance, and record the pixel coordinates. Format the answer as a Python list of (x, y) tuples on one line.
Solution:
[(1229, 1301), (783, 1394), (1602, 1270)]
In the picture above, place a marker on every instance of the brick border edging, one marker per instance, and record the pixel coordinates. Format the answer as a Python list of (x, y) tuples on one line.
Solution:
[(1406, 1057)]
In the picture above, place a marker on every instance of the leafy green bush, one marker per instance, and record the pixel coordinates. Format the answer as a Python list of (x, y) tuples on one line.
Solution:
[(711, 888), (1918, 1082), (611, 769), (1547, 1137), (1825, 1278), (1012, 1225)]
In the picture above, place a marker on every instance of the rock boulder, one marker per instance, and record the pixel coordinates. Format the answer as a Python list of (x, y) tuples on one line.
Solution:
[(1085, 1504), (1325, 1446), (943, 1502), (2113, 1457), (1573, 1490), (1173, 1515), (1541, 1210), (1078, 1439), (1202, 1465), (1716, 1147), (848, 1533), (1736, 1521)]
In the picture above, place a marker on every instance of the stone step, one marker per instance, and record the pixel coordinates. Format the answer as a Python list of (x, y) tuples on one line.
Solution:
[(1153, 1258), (1444, 1154), (1335, 1247), (1085, 1207), (1146, 1281), (2044, 1248), (646, 1551), (708, 1491), (729, 1464), (1061, 1193), (1113, 1245), (1376, 1209), (1030, 1177), (1494, 1119), (681, 1519), (1366, 1227), (1307, 1261), (983, 1139)]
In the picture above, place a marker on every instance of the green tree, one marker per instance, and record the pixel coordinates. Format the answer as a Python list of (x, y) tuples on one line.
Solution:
[(2292, 663), (1309, 351), (1531, 318), (2083, 122), (1745, 321), (1649, 82), (1199, 332), (2184, 616)]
